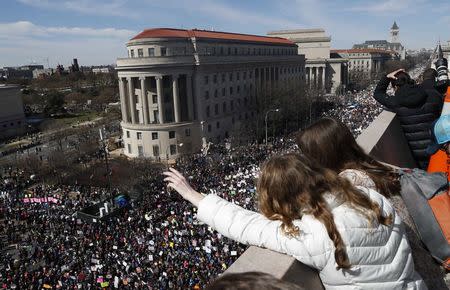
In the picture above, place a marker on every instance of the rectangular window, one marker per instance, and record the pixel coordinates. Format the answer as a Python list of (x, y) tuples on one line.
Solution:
[(155, 150), (237, 76), (163, 51), (151, 51), (244, 75), (187, 132), (206, 95), (140, 52), (209, 128), (216, 109), (232, 105), (132, 52), (139, 135), (223, 78), (140, 151), (215, 79), (171, 134), (155, 136), (231, 90), (223, 92), (155, 99), (231, 77), (215, 93), (217, 125), (224, 107), (129, 148), (128, 134), (238, 89), (206, 80), (173, 149), (207, 111)]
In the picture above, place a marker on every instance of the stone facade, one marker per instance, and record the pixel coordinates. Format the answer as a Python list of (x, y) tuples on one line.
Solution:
[(322, 71), (180, 86), (368, 61), (12, 117)]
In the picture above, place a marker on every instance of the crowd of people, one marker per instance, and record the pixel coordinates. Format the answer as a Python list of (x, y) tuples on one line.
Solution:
[(157, 242)]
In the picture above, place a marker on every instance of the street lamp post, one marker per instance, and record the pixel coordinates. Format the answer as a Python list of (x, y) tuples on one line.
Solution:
[(265, 119)]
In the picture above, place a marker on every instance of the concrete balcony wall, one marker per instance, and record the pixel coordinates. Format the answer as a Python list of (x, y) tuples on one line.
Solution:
[(384, 140)]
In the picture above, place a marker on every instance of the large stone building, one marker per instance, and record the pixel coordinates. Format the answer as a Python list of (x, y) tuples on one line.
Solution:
[(322, 71), (393, 45), (12, 117), (178, 86), (367, 61)]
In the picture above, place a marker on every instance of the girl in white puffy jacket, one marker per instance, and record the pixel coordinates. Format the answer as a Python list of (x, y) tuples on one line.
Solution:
[(351, 235)]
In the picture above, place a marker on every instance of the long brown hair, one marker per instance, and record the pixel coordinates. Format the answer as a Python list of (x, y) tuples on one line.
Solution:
[(290, 185), (331, 143)]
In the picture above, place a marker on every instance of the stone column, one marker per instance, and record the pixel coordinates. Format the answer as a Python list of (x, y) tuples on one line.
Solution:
[(159, 91), (123, 100), (132, 100), (144, 100), (176, 102), (190, 100), (324, 81)]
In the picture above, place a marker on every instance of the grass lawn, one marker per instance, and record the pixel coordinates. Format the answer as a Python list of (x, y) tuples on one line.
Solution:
[(71, 120)]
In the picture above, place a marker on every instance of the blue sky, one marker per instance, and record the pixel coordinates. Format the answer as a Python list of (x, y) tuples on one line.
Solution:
[(95, 31)]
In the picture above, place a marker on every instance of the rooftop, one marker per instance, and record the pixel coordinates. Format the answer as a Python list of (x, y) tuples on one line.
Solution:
[(207, 34), (361, 50), (290, 31)]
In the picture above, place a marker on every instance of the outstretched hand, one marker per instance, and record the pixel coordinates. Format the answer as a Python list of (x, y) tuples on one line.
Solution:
[(177, 181)]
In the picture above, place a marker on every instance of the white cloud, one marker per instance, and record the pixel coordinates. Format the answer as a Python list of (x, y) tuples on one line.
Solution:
[(23, 40), (102, 7), (390, 6), (29, 29)]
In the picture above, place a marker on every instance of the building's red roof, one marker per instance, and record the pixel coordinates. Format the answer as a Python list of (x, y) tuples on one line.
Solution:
[(183, 33), (362, 50)]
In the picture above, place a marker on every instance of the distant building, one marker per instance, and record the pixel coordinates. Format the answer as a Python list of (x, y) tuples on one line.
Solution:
[(75, 67), (322, 71), (102, 69), (12, 117), (177, 86), (43, 73), (369, 61), (21, 72), (393, 45)]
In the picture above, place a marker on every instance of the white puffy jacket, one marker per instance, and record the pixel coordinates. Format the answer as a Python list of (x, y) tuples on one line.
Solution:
[(380, 255)]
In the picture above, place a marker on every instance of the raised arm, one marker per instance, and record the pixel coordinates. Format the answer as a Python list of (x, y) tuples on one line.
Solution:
[(380, 94), (244, 226)]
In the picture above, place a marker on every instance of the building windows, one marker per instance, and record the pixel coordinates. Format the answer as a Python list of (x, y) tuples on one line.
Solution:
[(140, 151), (224, 107), (229, 50), (171, 134), (155, 99), (151, 51), (163, 51), (206, 80), (218, 125), (215, 93), (244, 75), (235, 50), (216, 109), (231, 91), (207, 112), (155, 136), (249, 74), (221, 51), (187, 132), (129, 148), (223, 78), (140, 52), (173, 149), (128, 134), (230, 76), (238, 89), (237, 76), (139, 135), (156, 150), (206, 95), (223, 92), (215, 79), (232, 105), (209, 127), (132, 53)]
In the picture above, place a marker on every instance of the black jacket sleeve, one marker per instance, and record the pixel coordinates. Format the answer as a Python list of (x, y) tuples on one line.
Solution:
[(381, 96), (441, 87)]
